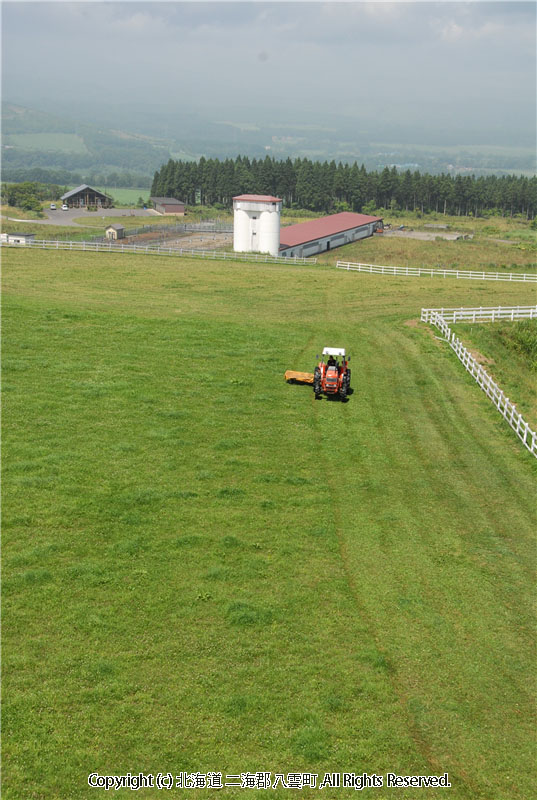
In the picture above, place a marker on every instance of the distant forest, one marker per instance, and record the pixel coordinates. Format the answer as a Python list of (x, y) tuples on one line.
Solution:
[(65, 177), (327, 187)]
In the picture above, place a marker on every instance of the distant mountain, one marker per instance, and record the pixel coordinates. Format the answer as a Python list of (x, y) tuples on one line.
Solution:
[(35, 139), (106, 138), (17, 119)]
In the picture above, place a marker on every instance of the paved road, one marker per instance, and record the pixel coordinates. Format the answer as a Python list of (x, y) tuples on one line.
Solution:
[(60, 217)]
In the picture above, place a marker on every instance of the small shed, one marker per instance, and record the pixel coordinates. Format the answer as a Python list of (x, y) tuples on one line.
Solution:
[(115, 231), (20, 238), (168, 205)]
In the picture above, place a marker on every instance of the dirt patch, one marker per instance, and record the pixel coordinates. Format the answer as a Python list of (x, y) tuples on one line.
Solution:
[(427, 237), (427, 329), (188, 241), (145, 237), (480, 358)]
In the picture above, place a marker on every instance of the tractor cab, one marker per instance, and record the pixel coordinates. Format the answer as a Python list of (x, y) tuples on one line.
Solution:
[(332, 375)]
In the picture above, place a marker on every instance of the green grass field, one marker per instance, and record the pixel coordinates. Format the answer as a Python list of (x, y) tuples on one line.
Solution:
[(481, 253), (57, 142), (124, 197), (498, 348), (18, 213), (128, 221), (205, 569)]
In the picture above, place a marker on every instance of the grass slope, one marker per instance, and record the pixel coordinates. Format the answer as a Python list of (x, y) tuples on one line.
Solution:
[(476, 254), (206, 569), (51, 142), (508, 352)]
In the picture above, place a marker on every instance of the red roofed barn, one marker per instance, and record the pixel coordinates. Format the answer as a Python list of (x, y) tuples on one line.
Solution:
[(318, 235)]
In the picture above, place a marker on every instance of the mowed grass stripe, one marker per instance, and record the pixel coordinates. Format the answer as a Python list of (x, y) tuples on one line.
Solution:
[(435, 530), (377, 442)]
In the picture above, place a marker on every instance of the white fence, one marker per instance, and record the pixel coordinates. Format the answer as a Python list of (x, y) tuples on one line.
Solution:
[(110, 247), (506, 408), (417, 272), (480, 314), (209, 226)]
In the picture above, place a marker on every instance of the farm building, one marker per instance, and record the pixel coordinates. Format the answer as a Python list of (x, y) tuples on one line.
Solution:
[(168, 205), (256, 223), (318, 235), (84, 196), (18, 238), (115, 232)]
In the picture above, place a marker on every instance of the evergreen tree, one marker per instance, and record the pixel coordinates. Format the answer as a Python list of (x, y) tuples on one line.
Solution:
[(325, 186)]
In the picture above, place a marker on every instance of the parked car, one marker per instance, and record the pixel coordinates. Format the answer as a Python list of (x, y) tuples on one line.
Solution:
[(53, 206), (65, 207)]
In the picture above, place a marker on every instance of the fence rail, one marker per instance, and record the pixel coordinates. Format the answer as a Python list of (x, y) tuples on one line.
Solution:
[(210, 226), (506, 408), (109, 247), (377, 269), (480, 314)]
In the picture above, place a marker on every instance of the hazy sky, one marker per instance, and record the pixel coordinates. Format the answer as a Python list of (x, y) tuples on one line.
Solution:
[(459, 63)]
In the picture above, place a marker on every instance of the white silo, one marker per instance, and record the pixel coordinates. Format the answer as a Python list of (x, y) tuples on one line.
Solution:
[(256, 224)]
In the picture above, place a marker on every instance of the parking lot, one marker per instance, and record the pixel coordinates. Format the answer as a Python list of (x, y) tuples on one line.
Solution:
[(60, 217)]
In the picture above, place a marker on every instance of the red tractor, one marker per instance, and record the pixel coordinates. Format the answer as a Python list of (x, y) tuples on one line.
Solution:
[(333, 376)]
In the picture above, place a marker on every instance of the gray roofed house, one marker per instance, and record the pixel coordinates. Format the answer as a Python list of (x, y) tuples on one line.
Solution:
[(18, 238), (168, 205), (84, 196)]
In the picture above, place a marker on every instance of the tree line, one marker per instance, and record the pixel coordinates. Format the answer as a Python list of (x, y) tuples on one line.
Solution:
[(29, 196), (327, 187), (66, 177)]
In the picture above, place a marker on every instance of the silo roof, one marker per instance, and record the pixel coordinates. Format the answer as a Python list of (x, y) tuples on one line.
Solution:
[(304, 232), (258, 198)]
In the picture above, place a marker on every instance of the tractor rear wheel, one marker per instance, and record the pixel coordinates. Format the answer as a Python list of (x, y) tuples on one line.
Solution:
[(317, 382), (348, 379), (343, 389)]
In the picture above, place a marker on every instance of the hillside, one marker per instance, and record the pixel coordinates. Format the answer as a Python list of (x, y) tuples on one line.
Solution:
[(108, 138), (37, 140), (204, 569)]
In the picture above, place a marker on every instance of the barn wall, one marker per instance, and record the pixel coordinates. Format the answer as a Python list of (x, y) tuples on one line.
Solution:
[(165, 208), (335, 240)]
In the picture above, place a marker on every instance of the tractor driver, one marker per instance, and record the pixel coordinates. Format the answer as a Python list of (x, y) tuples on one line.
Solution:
[(331, 362)]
